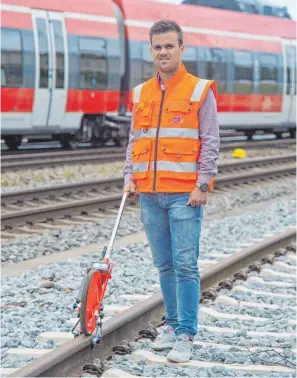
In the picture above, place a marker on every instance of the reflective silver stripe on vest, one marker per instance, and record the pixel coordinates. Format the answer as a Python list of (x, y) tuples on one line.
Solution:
[(137, 93), (166, 166), (175, 166), (139, 167), (198, 91), (167, 132)]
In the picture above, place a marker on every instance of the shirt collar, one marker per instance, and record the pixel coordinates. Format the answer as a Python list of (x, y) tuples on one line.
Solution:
[(177, 75)]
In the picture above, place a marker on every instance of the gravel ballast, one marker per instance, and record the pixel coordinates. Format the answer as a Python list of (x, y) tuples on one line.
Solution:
[(40, 177), (266, 350), (24, 248), (41, 300)]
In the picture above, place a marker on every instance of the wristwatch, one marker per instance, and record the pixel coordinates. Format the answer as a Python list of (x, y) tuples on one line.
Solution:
[(204, 187)]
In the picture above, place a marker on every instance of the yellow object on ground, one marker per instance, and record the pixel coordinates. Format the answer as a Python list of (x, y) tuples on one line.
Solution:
[(239, 153)]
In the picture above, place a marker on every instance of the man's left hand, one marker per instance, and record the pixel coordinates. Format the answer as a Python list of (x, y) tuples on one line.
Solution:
[(197, 198)]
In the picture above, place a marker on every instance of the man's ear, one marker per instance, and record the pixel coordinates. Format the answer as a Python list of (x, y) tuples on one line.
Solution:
[(182, 49)]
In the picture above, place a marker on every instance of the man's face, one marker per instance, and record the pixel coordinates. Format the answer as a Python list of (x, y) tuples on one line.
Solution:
[(166, 52)]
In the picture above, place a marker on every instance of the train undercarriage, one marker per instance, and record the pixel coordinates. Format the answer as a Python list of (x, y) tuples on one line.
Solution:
[(251, 132), (101, 129), (97, 130)]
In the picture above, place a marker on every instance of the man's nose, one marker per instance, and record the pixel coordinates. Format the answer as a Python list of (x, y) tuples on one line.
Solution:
[(163, 51)]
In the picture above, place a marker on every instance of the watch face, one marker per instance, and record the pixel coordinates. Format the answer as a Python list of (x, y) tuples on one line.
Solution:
[(204, 187)]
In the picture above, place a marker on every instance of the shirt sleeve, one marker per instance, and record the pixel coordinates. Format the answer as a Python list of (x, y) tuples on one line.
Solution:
[(128, 169), (209, 138)]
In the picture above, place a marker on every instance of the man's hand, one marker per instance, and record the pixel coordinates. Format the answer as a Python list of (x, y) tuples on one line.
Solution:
[(197, 198), (130, 187)]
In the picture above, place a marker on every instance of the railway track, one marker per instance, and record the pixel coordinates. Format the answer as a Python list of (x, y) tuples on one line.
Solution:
[(50, 159), (232, 289), (37, 146), (49, 203), (82, 156)]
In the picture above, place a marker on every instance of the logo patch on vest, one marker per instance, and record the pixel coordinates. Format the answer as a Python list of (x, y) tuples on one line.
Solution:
[(177, 119)]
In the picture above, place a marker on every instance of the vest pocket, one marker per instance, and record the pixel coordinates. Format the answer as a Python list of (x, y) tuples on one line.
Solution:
[(178, 149), (177, 113), (141, 157), (178, 158), (143, 113)]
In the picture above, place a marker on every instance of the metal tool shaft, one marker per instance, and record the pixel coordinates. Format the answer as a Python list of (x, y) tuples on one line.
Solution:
[(115, 228)]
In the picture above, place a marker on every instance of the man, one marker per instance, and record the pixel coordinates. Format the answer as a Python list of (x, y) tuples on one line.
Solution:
[(171, 161)]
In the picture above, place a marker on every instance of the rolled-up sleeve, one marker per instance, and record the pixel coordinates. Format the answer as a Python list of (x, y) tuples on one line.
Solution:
[(128, 168), (209, 138)]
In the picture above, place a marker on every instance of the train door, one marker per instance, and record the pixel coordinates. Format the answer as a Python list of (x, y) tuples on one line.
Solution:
[(59, 68), (51, 76), (289, 99), (43, 65)]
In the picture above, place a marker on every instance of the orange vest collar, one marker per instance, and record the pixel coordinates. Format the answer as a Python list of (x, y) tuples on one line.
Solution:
[(177, 77)]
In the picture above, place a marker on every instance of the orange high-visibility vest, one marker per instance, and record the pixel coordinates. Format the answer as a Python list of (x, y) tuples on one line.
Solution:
[(167, 145)]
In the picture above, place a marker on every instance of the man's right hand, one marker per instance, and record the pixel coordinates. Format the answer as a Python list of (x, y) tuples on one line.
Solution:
[(130, 187)]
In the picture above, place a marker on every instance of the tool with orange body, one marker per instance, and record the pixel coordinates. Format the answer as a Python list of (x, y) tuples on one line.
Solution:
[(93, 287)]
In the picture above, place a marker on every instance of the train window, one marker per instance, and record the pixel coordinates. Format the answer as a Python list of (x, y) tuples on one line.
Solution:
[(291, 69), (190, 60), (11, 58), (243, 72), (136, 63), (148, 64), (73, 61), (28, 58), (289, 78), (93, 63), (202, 63), (280, 73), (43, 53), (268, 80), (217, 67), (59, 45), (114, 53), (294, 69)]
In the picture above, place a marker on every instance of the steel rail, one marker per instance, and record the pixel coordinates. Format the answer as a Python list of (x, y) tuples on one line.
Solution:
[(38, 163), (103, 184), (67, 360), (81, 151), (45, 212), (61, 154), (53, 146), (47, 159)]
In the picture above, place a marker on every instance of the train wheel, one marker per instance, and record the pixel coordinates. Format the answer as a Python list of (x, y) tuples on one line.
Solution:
[(13, 142), (65, 141), (121, 142), (122, 138), (249, 134), (90, 302), (278, 135)]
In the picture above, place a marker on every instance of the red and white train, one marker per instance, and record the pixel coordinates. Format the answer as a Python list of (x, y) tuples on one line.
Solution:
[(68, 68)]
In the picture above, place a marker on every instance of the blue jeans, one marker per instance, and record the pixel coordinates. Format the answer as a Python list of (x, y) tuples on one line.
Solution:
[(173, 231)]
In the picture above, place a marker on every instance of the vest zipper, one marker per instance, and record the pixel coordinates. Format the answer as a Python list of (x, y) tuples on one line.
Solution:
[(156, 142)]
